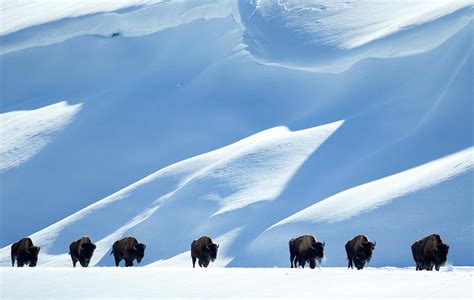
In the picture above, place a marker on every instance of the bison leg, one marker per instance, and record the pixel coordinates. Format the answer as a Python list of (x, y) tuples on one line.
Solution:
[(13, 261), (295, 261), (20, 263), (302, 262), (194, 261), (292, 258), (350, 263), (117, 260), (74, 261), (312, 263), (128, 263)]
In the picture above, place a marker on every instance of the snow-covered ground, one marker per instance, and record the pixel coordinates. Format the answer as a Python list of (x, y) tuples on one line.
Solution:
[(249, 121), (218, 283)]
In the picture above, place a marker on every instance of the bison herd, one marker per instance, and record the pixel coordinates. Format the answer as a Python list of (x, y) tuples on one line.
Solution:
[(428, 252)]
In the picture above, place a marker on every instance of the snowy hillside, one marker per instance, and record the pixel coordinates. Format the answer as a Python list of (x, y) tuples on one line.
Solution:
[(249, 121)]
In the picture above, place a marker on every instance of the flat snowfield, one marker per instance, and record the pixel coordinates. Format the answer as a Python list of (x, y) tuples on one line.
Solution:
[(108, 282)]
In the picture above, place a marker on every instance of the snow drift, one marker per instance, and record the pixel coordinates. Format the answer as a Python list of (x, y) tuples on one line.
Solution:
[(369, 196), (249, 171), (24, 133), (152, 85)]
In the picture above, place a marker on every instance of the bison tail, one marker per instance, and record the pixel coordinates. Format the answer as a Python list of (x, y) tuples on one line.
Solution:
[(112, 252)]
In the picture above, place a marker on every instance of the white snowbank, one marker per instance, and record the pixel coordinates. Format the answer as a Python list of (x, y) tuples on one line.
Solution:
[(20, 14), (331, 36), (159, 283), (142, 21), (254, 169), (350, 24), (369, 196), (25, 133)]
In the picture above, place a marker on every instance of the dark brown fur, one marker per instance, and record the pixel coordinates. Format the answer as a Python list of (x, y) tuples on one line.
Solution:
[(128, 249), (24, 253), (82, 251), (204, 250), (430, 251), (305, 248), (359, 251)]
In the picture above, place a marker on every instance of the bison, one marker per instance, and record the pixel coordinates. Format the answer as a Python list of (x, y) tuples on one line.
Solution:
[(305, 248), (359, 250), (428, 252), (204, 250), (128, 249), (82, 251), (24, 252)]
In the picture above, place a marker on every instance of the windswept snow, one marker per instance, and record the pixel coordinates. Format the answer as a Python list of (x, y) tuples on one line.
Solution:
[(369, 196), (24, 133), (161, 84), (141, 21), (251, 170), (350, 24), (20, 14), (164, 283), (331, 36)]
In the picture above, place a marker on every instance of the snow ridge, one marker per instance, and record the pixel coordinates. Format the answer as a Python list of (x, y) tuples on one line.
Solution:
[(369, 196), (251, 170), (25, 133)]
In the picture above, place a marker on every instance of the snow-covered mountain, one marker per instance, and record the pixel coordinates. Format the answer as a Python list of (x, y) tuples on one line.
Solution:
[(249, 121)]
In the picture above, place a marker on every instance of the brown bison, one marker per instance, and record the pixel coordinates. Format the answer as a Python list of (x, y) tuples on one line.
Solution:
[(82, 251), (25, 253), (204, 250), (359, 250), (306, 249), (128, 249), (428, 252)]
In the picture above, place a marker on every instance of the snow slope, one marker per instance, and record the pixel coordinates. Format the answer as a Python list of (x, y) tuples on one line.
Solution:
[(25, 133), (330, 36), (62, 283), (156, 89), (18, 15), (252, 170), (369, 196)]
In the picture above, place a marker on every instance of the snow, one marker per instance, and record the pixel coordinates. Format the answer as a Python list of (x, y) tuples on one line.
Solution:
[(369, 196), (333, 283), (24, 133), (251, 170), (288, 33), (223, 118), (145, 19), (351, 24), (21, 14), (337, 30)]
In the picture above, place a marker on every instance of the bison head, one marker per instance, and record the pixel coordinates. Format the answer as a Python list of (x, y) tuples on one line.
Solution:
[(441, 253), (139, 251), (367, 249), (32, 252), (211, 250), (318, 250), (87, 250)]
